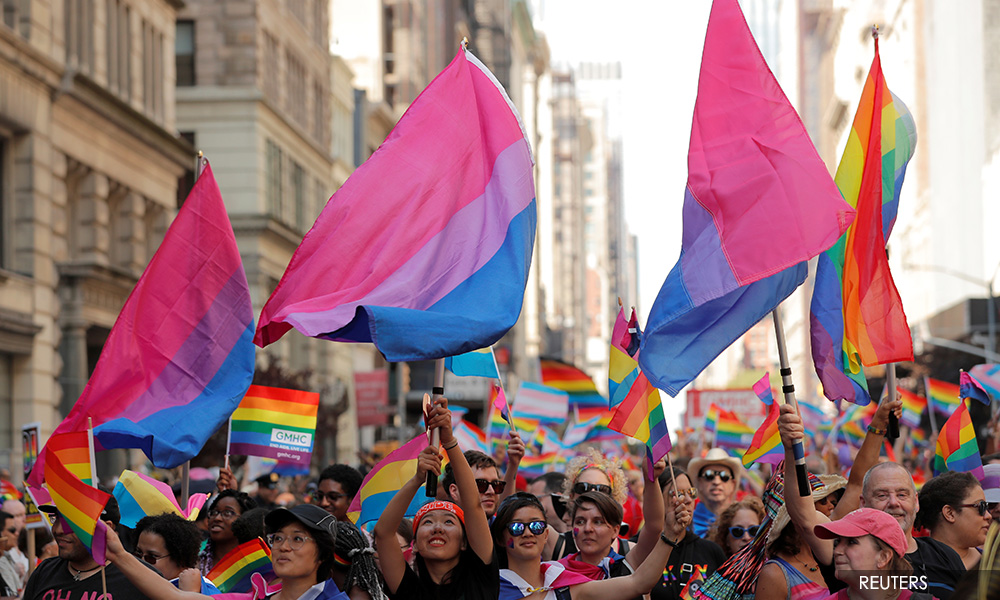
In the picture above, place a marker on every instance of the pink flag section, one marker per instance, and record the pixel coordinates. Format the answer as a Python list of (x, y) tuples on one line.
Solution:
[(541, 403)]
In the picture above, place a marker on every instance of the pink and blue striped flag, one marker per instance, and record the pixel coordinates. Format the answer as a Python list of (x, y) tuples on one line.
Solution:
[(763, 389), (425, 249), (181, 345), (989, 376), (536, 402), (754, 178), (970, 387)]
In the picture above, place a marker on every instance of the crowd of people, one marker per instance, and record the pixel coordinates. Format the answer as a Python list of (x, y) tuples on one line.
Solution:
[(589, 532)]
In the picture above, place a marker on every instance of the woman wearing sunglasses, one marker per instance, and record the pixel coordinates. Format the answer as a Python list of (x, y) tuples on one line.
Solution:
[(170, 543), (453, 550), (737, 525), (519, 532), (953, 508)]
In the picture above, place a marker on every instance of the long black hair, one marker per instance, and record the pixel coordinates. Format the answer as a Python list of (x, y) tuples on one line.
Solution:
[(505, 514)]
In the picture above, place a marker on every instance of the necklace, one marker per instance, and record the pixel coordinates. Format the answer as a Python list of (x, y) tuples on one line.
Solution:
[(812, 569), (78, 574)]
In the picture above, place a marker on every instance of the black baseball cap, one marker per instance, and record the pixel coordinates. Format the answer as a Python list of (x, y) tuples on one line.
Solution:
[(111, 510), (269, 481), (310, 515)]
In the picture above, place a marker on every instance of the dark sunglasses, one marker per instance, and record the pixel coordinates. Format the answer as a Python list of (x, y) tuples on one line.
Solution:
[(484, 484), (517, 529), (709, 475), (583, 488), (982, 507), (737, 532), (148, 557)]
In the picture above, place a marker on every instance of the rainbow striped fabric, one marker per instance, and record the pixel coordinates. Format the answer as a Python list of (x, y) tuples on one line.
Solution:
[(856, 315), (763, 389), (181, 345), (970, 387), (439, 225), (232, 573), (73, 449), (623, 368), (766, 445), (275, 423), (382, 483), (535, 465), (913, 407), (78, 503), (478, 363), (956, 448), (584, 399), (711, 419), (140, 495), (499, 424), (731, 431), (944, 396)]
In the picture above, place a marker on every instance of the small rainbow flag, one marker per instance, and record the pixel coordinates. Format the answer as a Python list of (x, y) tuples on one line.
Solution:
[(623, 369), (957, 449), (533, 466), (913, 407), (943, 395), (79, 504), (731, 431), (712, 418), (766, 445), (382, 483), (232, 573), (583, 395), (478, 363), (970, 387), (763, 389), (275, 423), (73, 449)]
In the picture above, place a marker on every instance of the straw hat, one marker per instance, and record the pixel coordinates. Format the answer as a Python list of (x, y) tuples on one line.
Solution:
[(822, 486), (716, 456)]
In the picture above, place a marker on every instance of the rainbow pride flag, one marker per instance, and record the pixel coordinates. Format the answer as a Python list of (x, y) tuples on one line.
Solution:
[(956, 448), (275, 423), (856, 316), (913, 407), (944, 396), (232, 573), (382, 483), (73, 449), (763, 389), (181, 345), (535, 465), (712, 419), (478, 363), (623, 369), (584, 399), (970, 387), (731, 432), (754, 177), (140, 495), (439, 225), (766, 444), (78, 503)]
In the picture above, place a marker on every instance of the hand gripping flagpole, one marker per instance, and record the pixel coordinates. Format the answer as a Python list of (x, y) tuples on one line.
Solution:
[(430, 488), (788, 389)]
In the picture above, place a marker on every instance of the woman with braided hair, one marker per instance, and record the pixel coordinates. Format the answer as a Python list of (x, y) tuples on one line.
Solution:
[(354, 568)]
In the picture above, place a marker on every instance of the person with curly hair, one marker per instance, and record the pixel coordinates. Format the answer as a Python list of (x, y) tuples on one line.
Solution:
[(170, 543), (226, 507), (354, 568), (737, 525), (953, 508)]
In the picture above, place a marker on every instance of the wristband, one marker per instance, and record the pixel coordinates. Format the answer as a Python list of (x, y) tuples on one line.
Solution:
[(667, 540), (875, 430), (454, 443)]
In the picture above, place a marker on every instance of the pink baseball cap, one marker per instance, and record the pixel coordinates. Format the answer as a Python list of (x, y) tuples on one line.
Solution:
[(866, 521)]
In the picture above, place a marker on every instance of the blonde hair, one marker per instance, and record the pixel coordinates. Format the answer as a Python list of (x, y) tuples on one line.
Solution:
[(612, 467)]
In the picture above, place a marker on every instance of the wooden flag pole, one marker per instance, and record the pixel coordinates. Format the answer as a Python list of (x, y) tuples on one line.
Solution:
[(788, 389), (90, 447), (430, 487)]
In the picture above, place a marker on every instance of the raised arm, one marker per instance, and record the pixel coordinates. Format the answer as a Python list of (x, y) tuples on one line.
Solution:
[(146, 581), (515, 452), (653, 513), (801, 509), (391, 560), (867, 457)]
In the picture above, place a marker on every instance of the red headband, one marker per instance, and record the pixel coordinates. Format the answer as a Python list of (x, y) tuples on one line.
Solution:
[(438, 505)]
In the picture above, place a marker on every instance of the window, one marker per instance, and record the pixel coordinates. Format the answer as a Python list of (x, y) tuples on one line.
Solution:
[(273, 158), (7, 432), (295, 86), (320, 112), (152, 70), (119, 46), (297, 212), (272, 81), (79, 18), (184, 53)]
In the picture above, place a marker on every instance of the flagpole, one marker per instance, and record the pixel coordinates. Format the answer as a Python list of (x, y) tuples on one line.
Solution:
[(930, 406), (510, 417), (788, 389), (892, 432), (90, 448), (430, 487), (229, 437)]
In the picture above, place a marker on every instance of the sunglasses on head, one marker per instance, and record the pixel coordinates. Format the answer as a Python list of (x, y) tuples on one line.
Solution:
[(738, 532), (709, 475), (982, 507), (517, 529), (484, 484), (583, 488)]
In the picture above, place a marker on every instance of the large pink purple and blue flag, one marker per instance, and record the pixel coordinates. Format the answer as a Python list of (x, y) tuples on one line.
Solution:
[(182, 344), (759, 203), (425, 249)]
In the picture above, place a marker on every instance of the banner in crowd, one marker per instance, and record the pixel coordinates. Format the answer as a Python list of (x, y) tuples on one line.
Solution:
[(275, 423)]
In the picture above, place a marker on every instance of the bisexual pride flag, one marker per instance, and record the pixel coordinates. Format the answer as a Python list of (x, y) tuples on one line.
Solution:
[(180, 357), (425, 249)]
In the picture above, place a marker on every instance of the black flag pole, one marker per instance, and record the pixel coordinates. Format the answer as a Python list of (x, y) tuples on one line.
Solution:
[(788, 389)]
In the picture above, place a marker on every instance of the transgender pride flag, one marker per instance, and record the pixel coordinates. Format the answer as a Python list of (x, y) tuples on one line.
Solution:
[(425, 249), (181, 347)]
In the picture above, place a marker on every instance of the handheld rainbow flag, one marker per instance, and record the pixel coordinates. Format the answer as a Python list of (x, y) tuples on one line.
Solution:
[(478, 363), (856, 316), (584, 399), (970, 387), (732, 432), (753, 176), (439, 224), (622, 366), (712, 419), (181, 345), (766, 445), (944, 396), (232, 573), (73, 449), (382, 483), (763, 389), (140, 495), (956, 448), (913, 407), (275, 423), (534, 466), (79, 504)]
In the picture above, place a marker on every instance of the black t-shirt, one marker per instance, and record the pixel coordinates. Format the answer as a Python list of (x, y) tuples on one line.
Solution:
[(470, 580), (691, 554), (52, 580), (942, 566)]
